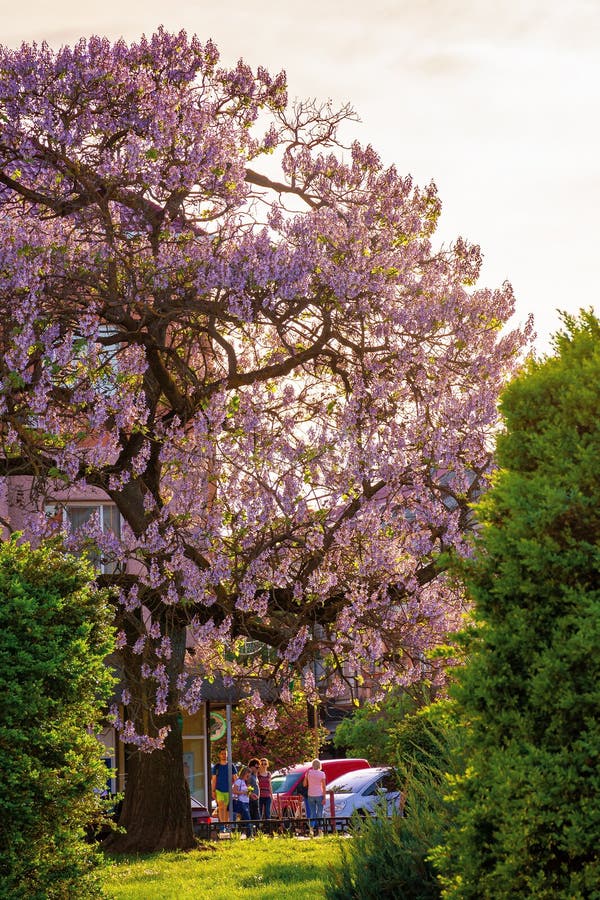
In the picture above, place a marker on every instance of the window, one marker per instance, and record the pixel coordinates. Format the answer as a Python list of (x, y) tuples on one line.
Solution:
[(194, 755), (374, 788), (248, 648), (92, 360), (76, 515), (389, 782)]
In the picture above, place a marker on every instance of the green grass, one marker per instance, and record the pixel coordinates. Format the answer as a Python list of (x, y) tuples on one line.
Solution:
[(262, 869)]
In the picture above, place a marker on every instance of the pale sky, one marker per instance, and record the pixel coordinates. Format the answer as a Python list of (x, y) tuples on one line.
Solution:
[(497, 101)]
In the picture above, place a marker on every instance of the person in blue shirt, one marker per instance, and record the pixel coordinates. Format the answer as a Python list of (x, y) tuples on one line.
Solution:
[(221, 785)]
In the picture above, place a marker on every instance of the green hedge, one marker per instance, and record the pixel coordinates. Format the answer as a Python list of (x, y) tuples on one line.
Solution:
[(54, 637), (528, 805)]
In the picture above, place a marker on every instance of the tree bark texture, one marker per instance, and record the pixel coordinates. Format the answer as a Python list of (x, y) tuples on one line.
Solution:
[(156, 812)]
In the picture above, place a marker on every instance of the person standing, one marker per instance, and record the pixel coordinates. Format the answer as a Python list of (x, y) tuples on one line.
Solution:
[(315, 781), (221, 786), (253, 789), (265, 789), (241, 798)]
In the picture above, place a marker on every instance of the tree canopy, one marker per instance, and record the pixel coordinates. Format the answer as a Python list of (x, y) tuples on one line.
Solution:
[(370, 731), (238, 329)]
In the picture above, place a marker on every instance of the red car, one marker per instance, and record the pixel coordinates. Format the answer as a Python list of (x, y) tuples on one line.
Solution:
[(288, 795)]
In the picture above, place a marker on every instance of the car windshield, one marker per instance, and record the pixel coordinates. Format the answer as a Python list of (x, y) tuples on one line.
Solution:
[(355, 781), (350, 786), (282, 784)]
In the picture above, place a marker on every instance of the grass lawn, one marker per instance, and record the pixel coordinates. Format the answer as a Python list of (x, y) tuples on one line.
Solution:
[(266, 868)]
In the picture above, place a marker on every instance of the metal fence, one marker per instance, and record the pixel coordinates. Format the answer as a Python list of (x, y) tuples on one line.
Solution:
[(293, 826), (289, 817)]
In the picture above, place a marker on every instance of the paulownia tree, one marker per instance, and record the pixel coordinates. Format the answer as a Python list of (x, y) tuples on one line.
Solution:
[(238, 330)]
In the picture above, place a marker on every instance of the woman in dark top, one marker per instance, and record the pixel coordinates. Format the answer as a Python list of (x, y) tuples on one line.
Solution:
[(265, 789)]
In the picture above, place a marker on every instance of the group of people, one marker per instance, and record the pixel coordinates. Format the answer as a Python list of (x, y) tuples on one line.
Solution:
[(252, 791)]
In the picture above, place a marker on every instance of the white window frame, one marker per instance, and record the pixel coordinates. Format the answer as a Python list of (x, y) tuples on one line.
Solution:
[(96, 506)]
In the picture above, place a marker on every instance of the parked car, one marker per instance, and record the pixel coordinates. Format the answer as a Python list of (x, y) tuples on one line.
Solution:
[(363, 791), (288, 793), (200, 814)]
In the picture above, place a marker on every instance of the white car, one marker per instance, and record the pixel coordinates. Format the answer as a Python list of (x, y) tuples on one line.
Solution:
[(364, 791)]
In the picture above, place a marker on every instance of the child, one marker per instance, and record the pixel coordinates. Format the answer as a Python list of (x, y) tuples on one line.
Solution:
[(241, 798)]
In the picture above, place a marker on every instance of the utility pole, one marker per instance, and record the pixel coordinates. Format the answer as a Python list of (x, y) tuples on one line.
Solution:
[(316, 711)]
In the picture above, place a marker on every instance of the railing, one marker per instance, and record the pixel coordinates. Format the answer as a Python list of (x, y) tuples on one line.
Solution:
[(289, 817), (219, 830), (287, 806)]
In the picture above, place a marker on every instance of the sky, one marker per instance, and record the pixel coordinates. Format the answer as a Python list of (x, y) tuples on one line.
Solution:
[(496, 101)]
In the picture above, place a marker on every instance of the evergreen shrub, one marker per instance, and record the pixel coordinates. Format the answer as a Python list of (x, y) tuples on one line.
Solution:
[(54, 637), (388, 858), (528, 804)]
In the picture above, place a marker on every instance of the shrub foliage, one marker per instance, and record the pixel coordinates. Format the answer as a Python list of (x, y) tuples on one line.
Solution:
[(370, 731), (388, 858), (528, 820), (53, 640)]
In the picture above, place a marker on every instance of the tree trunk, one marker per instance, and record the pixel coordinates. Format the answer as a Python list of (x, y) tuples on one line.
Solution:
[(156, 811), (156, 808)]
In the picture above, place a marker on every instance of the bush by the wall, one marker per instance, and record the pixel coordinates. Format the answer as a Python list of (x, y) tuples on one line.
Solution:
[(287, 742)]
